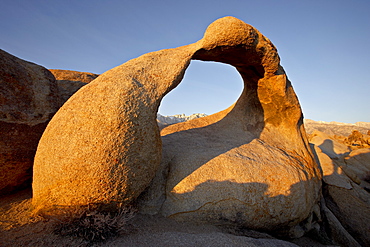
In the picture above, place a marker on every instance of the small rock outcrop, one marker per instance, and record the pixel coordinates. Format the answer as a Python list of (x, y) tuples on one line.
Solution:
[(69, 81), (249, 165), (357, 139), (28, 99)]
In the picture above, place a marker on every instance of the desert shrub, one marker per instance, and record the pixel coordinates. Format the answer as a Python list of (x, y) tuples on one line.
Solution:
[(96, 226)]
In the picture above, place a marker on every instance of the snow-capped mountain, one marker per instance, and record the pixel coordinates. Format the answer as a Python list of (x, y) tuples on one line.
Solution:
[(331, 128)]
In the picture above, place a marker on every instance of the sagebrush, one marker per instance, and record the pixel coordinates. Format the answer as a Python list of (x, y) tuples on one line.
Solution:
[(96, 226)]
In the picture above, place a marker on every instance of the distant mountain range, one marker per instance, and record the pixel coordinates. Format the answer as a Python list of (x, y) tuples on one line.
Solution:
[(330, 128), (336, 128), (167, 120)]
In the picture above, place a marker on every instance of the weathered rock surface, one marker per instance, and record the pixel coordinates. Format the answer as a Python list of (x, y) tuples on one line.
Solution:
[(329, 145), (345, 190), (28, 100), (333, 174), (357, 139), (70, 81), (249, 164), (103, 146), (352, 209), (73, 76), (338, 234), (358, 162)]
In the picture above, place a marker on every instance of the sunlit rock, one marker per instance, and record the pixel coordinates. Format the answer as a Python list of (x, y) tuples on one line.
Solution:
[(28, 99), (103, 146), (69, 81), (345, 189), (329, 145), (249, 165)]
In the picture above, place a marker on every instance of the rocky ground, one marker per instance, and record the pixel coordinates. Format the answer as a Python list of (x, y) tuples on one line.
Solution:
[(214, 178), (19, 228)]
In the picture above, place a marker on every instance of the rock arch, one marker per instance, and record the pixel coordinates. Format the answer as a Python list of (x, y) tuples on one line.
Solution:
[(103, 147)]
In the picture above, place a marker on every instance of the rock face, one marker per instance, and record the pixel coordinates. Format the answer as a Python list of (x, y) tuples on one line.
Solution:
[(358, 161), (328, 145), (70, 81), (73, 76), (28, 100), (345, 189), (249, 164)]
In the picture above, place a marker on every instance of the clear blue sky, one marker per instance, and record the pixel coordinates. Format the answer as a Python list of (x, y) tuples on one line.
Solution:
[(324, 45)]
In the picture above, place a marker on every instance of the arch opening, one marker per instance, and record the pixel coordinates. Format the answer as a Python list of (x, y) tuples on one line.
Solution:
[(207, 88)]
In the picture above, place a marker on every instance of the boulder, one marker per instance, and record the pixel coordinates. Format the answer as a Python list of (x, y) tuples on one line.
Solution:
[(249, 164), (29, 98), (335, 229), (328, 145), (73, 76), (358, 140), (69, 81), (103, 146), (346, 179), (358, 163), (352, 208), (333, 174)]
